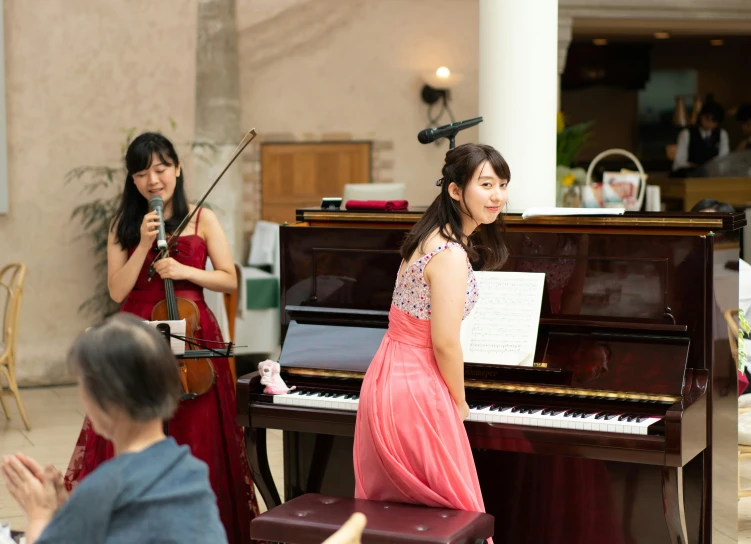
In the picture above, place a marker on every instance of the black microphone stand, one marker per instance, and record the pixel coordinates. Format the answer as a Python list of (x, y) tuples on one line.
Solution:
[(206, 353), (452, 139)]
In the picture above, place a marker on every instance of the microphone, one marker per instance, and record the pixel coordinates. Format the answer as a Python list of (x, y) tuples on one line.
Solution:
[(157, 204), (446, 131)]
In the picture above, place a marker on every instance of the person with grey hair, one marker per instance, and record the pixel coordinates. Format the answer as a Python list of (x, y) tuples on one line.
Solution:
[(152, 490)]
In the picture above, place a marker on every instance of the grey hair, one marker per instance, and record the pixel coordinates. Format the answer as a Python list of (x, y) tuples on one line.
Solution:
[(125, 363)]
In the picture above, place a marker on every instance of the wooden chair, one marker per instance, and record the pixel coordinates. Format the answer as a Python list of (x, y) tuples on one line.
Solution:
[(744, 450), (230, 304), (11, 282)]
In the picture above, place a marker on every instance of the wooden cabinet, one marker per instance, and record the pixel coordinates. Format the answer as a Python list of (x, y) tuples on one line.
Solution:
[(297, 175)]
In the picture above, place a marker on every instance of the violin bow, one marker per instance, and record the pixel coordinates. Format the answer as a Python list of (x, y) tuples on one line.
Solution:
[(186, 221)]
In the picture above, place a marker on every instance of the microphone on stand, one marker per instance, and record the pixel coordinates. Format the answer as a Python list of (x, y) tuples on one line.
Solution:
[(430, 135), (157, 205)]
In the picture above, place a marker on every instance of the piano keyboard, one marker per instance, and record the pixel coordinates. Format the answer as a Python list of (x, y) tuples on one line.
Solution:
[(535, 416)]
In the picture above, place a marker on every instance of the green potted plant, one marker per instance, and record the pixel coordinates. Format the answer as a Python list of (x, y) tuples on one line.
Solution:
[(569, 142)]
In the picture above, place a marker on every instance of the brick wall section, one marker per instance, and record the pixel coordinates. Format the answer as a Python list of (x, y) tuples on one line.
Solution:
[(382, 168)]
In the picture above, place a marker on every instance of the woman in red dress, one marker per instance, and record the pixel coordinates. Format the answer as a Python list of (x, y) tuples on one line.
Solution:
[(206, 423)]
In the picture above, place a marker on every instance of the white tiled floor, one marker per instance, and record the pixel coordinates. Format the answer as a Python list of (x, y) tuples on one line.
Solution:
[(56, 416)]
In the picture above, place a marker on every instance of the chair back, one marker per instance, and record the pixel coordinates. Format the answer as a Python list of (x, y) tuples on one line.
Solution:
[(11, 290), (373, 191)]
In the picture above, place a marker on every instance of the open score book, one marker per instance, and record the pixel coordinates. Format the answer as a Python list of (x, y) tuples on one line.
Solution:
[(502, 328)]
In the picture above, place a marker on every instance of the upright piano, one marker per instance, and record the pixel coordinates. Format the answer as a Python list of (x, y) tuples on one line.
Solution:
[(623, 431)]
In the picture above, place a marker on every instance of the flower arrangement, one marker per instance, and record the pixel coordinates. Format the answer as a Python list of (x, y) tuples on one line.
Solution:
[(569, 142)]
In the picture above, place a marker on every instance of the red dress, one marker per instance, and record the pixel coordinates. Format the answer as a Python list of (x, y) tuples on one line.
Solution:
[(207, 423)]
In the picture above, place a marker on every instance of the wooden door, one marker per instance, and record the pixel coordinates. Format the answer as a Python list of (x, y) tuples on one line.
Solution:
[(299, 175)]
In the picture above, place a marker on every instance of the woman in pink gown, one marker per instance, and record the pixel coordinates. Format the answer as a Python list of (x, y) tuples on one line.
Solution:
[(410, 442), (206, 423)]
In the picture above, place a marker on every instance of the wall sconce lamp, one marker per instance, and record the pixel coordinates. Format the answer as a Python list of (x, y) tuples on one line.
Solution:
[(437, 88)]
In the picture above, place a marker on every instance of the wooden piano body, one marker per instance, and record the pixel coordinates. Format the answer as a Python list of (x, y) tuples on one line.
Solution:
[(640, 284)]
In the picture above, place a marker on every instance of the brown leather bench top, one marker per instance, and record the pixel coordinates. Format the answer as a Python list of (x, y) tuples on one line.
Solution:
[(312, 518)]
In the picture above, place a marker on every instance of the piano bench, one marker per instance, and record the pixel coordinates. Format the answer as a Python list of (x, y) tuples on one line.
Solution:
[(312, 518)]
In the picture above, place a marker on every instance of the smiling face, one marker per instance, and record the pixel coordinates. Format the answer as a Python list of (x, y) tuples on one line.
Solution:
[(159, 178), (483, 198)]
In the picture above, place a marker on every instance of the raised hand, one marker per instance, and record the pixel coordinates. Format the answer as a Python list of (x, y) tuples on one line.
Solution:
[(149, 229)]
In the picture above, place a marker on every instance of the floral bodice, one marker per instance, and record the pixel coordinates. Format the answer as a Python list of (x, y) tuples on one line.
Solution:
[(412, 294)]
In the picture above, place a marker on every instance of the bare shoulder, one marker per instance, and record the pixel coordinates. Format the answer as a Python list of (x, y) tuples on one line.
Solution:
[(209, 226), (453, 255), (433, 242), (208, 215), (449, 267)]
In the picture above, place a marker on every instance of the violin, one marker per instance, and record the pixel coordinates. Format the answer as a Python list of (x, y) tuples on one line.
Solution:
[(198, 376)]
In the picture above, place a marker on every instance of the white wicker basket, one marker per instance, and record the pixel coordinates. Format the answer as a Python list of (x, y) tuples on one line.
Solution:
[(643, 177)]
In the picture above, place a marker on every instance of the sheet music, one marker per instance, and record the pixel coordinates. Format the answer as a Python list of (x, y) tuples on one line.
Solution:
[(502, 328), (539, 211), (177, 328)]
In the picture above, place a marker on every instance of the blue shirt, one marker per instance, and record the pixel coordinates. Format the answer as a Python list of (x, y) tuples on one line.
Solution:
[(161, 494)]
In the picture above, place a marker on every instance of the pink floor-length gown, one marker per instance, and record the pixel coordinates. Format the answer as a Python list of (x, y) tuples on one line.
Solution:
[(410, 442)]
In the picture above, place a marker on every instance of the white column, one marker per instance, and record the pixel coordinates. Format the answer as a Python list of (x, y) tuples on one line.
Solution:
[(518, 94)]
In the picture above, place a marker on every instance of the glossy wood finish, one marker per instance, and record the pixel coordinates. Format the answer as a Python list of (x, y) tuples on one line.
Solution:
[(672, 500), (641, 284), (684, 193)]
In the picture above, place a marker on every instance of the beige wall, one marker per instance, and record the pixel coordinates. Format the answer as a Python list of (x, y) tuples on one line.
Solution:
[(332, 66), (78, 71)]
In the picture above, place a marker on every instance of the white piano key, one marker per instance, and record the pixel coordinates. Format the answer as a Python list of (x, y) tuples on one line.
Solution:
[(485, 414)]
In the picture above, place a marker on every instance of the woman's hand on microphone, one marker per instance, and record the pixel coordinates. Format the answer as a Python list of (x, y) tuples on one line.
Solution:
[(170, 268), (149, 229)]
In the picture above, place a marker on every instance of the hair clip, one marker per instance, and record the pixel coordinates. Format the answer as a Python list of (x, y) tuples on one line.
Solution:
[(439, 182)]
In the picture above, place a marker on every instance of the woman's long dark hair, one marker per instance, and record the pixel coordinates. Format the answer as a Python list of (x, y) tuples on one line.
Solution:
[(445, 214), (133, 206)]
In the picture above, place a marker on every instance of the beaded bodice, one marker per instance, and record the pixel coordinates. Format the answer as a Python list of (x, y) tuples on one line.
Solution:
[(412, 294)]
